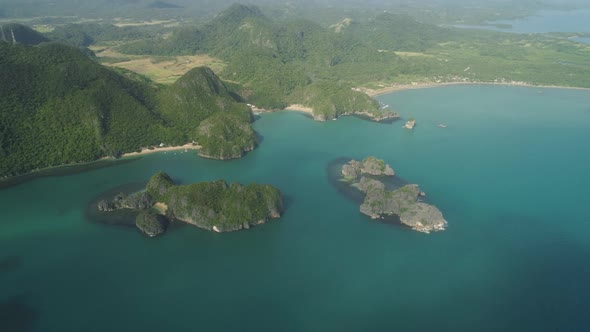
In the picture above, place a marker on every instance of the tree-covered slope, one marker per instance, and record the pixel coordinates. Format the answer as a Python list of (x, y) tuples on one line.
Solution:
[(390, 31), (274, 60), (86, 34), (194, 97), (269, 59), (14, 33), (330, 101), (204, 109), (60, 107), (215, 205)]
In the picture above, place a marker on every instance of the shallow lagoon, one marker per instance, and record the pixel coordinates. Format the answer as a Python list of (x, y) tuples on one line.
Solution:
[(509, 172)]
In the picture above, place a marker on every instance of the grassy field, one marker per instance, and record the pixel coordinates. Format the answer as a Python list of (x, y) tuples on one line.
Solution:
[(43, 28), (165, 70), (413, 54), (532, 60), (130, 23)]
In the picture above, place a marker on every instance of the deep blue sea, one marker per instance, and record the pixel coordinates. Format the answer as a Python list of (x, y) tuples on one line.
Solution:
[(510, 174)]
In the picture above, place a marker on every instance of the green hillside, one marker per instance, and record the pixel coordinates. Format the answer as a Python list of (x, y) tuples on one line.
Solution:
[(14, 33), (341, 100), (390, 31), (274, 60), (60, 107), (200, 105), (216, 205), (269, 59), (86, 34)]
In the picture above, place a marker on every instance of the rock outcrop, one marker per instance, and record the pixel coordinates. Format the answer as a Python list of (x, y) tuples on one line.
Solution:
[(410, 124), (380, 202), (137, 201), (380, 116), (151, 224), (370, 165), (423, 218)]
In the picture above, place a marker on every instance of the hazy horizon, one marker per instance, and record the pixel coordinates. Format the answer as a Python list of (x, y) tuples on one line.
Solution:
[(189, 8)]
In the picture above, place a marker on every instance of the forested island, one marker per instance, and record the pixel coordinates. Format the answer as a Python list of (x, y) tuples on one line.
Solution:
[(379, 202), (214, 206)]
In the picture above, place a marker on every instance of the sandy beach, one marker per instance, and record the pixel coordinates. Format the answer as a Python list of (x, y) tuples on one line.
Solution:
[(256, 110), (299, 108), (402, 87), (188, 146), (161, 208)]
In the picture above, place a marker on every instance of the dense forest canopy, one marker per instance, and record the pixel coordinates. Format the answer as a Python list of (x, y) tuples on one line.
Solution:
[(60, 107)]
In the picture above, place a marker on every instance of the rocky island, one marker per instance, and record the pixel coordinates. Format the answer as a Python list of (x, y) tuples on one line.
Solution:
[(214, 206), (369, 165), (410, 124), (380, 202)]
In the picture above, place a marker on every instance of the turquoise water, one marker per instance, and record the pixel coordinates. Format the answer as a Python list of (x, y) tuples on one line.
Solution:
[(544, 21), (509, 173)]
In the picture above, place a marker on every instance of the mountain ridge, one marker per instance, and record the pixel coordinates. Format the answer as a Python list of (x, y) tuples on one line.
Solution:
[(60, 107)]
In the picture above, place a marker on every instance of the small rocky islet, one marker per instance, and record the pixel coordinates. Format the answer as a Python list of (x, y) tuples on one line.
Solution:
[(380, 202), (214, 206)]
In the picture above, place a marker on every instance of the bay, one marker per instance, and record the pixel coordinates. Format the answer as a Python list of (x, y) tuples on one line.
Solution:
[(509, 172), (544, 21)]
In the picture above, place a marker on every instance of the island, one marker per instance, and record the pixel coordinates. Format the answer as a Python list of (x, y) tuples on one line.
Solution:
[(410, 124), (214, 206), (380, 202)]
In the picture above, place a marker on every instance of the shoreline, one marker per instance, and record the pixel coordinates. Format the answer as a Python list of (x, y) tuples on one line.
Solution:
[(404, 87), (41, 171), (144, 151), (299, 108), (293, 107)]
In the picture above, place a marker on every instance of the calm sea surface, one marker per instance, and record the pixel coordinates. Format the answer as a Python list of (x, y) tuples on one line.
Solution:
[(510, 173), (545, 21)]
